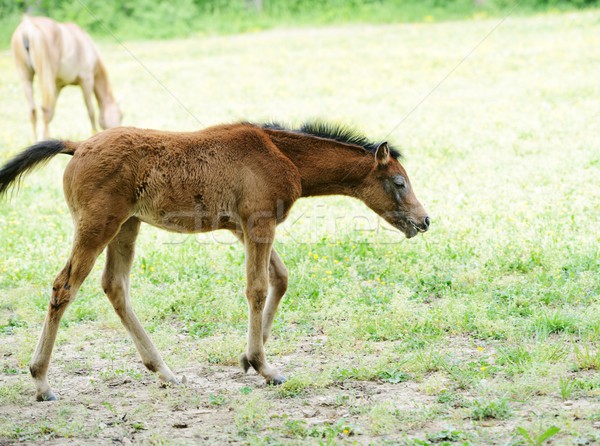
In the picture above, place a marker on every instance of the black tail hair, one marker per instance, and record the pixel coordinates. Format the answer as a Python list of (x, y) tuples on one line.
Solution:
[(28, 159)]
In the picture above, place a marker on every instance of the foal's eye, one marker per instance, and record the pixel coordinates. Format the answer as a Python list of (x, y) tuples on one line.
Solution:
[(400, 182)]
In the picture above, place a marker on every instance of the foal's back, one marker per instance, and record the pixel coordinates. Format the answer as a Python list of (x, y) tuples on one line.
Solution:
[(184, 182)]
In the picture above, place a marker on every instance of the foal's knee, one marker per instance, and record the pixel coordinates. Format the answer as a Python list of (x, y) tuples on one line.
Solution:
[(256, 295)]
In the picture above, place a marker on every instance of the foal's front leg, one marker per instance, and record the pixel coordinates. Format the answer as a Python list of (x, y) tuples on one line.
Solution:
[(278, 279), (258, 251)]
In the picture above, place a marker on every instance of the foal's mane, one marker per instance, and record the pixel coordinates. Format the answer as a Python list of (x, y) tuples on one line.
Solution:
[(337, 132)]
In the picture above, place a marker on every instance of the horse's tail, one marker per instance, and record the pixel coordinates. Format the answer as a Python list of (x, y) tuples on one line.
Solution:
[(41, 42), (30, 158), (19, 44)]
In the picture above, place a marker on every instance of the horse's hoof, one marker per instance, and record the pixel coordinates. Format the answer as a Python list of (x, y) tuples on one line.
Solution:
[(277, 381), (46, 396), (244, 363)]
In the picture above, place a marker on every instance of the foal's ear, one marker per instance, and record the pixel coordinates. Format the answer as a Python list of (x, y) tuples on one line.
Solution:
[(382, 154)]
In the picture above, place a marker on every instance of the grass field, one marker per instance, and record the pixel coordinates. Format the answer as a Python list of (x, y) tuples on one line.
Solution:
[(486, 330)]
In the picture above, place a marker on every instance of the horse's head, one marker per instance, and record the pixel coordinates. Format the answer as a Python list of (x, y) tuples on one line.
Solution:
[(110, 115), (387, 190)]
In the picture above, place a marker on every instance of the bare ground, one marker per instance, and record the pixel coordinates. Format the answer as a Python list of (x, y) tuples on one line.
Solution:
[(113, 400)]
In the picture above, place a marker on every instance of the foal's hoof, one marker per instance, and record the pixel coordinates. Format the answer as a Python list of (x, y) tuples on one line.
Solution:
[(277, 381), (46, 396)]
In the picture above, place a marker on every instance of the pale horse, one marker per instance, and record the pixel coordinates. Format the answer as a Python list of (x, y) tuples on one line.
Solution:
[(62, 54)]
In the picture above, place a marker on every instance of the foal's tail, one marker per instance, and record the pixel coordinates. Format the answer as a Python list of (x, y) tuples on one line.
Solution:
[(30, 158)]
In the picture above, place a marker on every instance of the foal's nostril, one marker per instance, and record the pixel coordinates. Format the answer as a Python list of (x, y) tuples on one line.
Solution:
[(426, 222)]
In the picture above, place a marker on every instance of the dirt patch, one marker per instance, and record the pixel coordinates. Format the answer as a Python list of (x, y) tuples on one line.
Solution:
[(113, 400)]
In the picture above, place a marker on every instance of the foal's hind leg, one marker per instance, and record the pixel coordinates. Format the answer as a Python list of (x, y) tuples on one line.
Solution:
[(88, 244), (115, 282)]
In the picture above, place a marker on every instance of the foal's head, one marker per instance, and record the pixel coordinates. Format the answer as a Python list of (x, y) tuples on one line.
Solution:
[(387, 190)]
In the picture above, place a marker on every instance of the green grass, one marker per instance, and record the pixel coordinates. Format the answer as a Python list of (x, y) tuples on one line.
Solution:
[(461, 333), (148, 19)]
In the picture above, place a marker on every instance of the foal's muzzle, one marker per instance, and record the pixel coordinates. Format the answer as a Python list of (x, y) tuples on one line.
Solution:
[(422, 226)]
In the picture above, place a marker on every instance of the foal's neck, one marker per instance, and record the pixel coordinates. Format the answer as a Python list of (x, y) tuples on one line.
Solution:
[(326, 167)]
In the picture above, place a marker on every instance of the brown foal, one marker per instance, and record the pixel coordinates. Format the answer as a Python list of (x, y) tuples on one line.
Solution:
[(240, 177)]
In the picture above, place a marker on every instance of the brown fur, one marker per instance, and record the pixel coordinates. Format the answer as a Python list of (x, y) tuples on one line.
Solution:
[(239, 177), (61, 54)]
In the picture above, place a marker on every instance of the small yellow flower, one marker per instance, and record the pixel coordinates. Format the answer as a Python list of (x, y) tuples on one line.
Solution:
[(152, 268), (316, 256), (327, 272), (480, 348), (483, 368)]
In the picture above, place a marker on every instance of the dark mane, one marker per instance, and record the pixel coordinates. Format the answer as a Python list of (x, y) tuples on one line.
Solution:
[(337, 132)]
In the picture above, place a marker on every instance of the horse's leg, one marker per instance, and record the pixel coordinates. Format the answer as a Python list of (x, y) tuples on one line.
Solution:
[(49, 97), (90, 240), (87, 86), (115, 282), (278, 279), (32, 112), (258, 250), (27, 81)]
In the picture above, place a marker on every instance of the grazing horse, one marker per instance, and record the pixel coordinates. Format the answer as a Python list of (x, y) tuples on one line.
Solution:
[(62, 54), (239, 177)]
